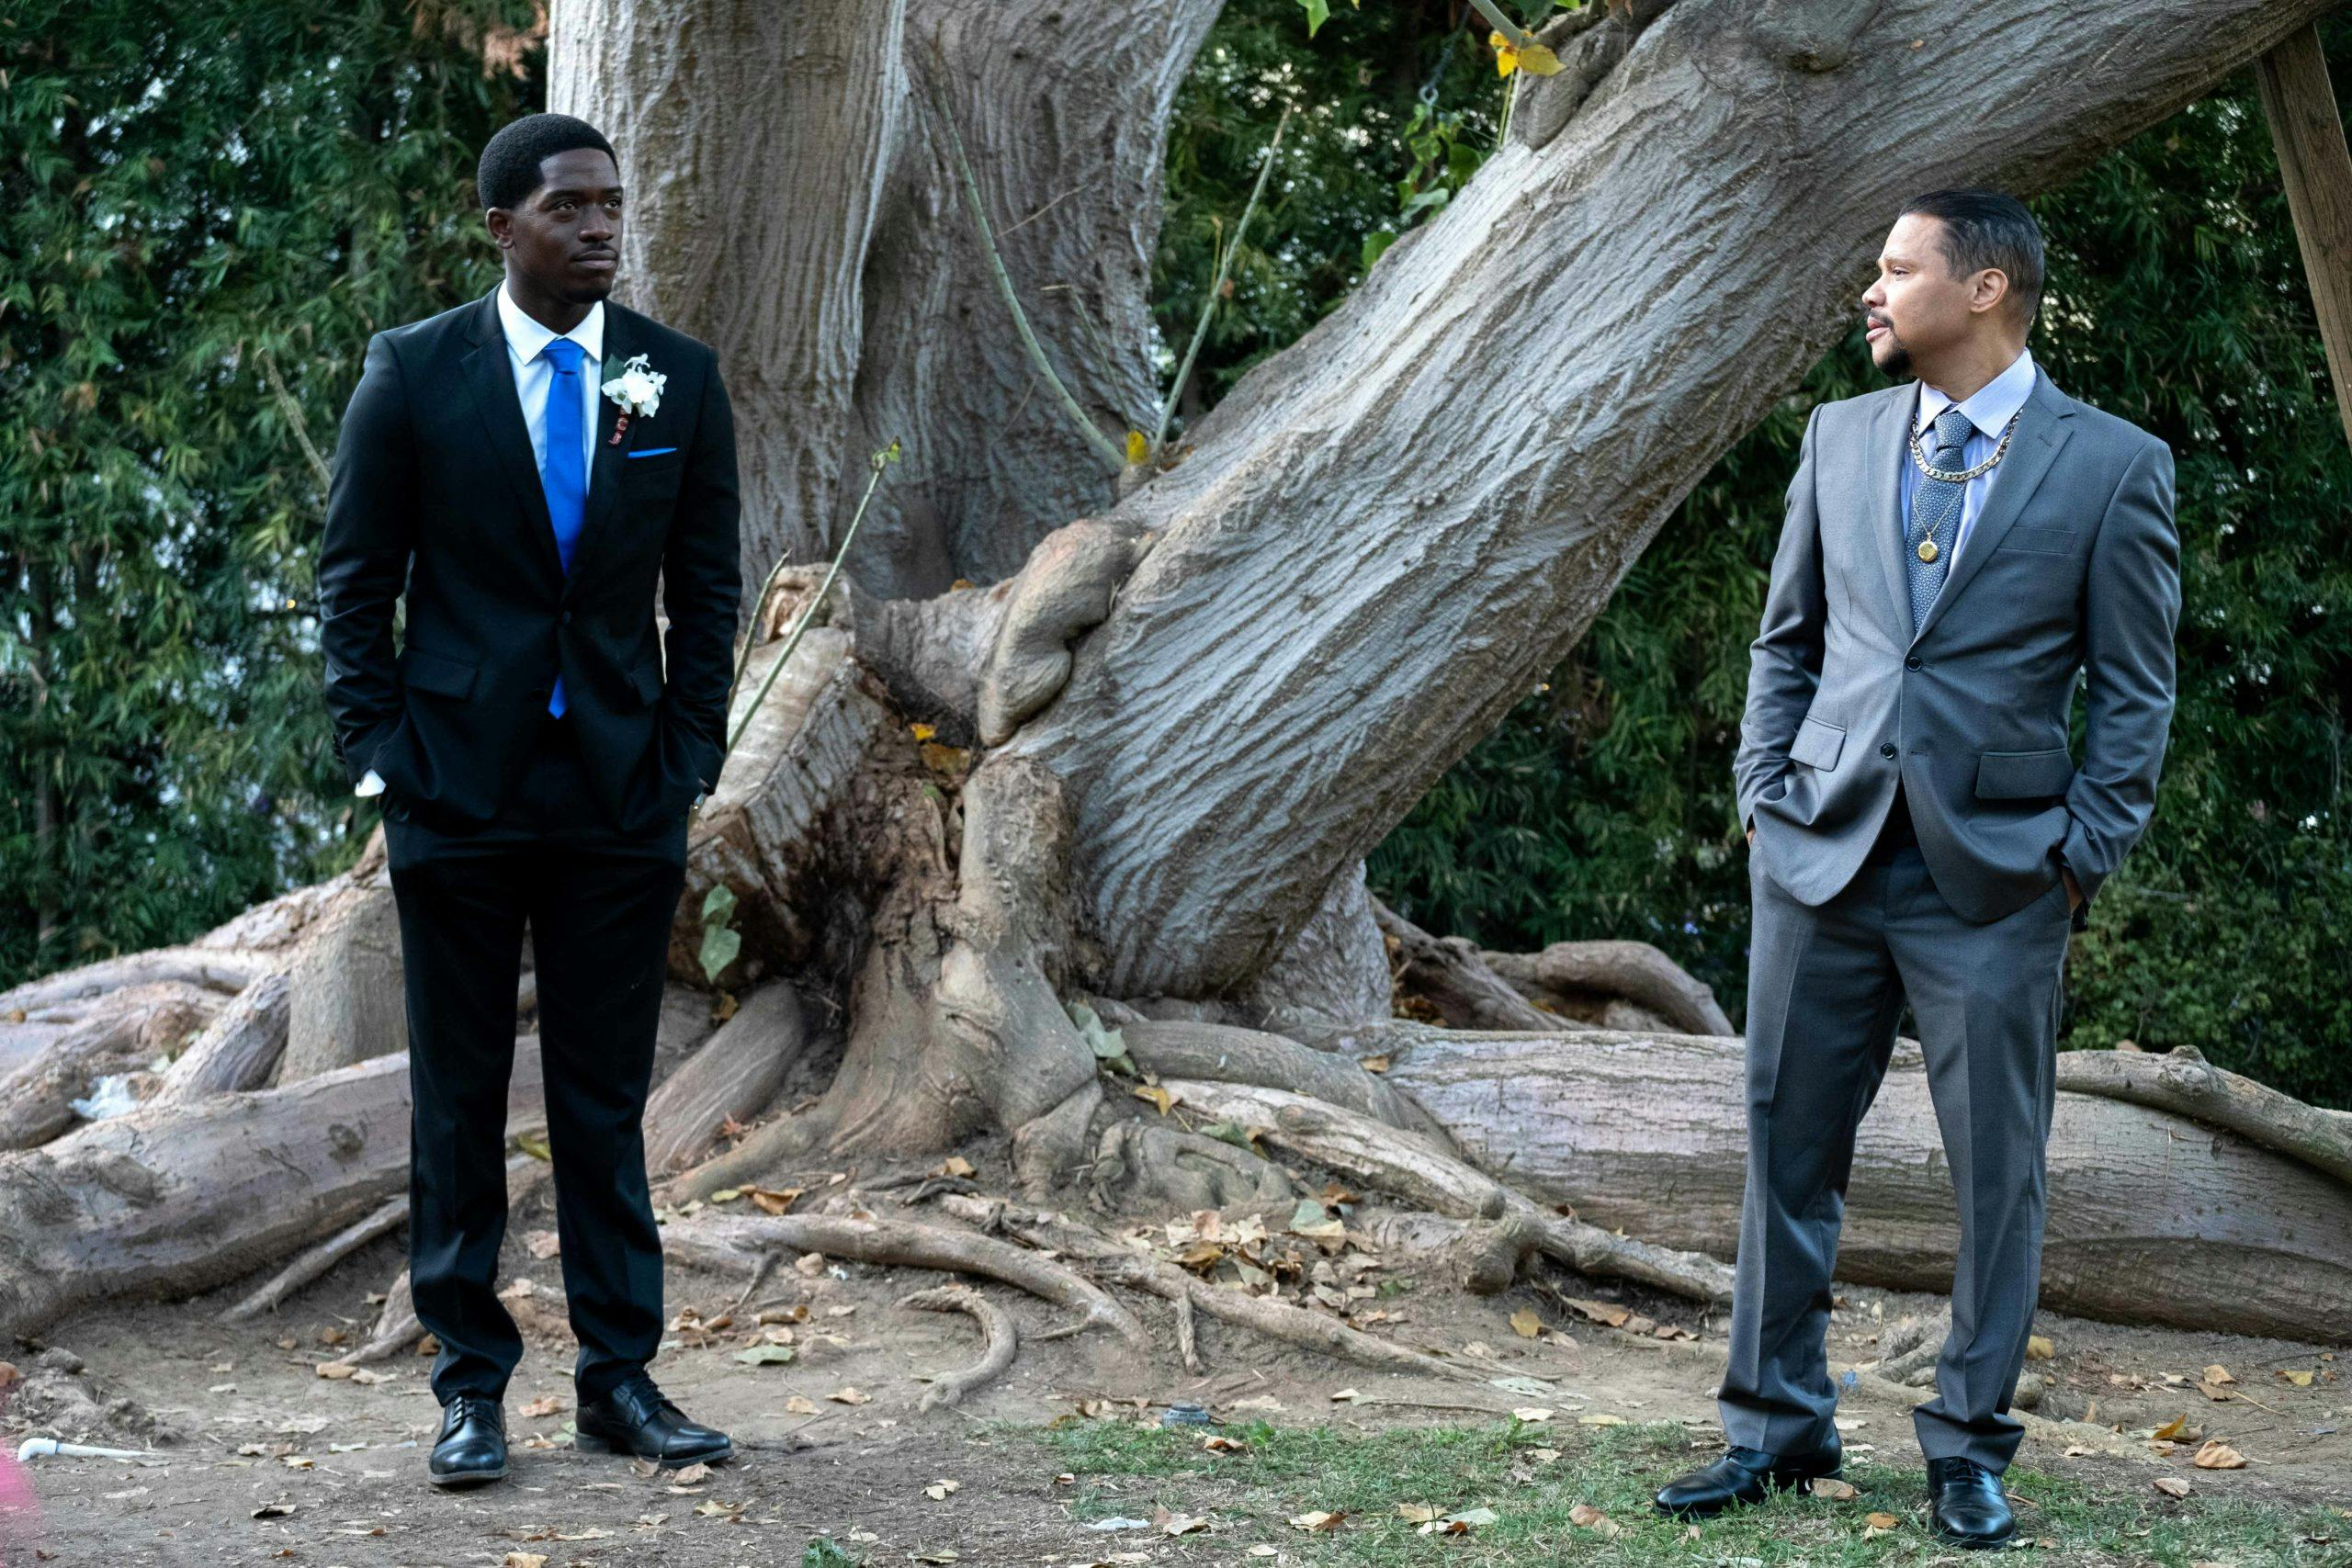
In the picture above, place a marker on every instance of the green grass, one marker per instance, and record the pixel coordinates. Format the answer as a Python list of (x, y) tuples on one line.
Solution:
[(1124, 1470)]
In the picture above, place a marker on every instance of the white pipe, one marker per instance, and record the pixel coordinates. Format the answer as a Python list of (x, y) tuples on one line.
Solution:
[(39, 1448)]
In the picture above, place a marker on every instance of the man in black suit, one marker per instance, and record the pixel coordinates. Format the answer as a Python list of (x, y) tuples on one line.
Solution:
[(526, 465)]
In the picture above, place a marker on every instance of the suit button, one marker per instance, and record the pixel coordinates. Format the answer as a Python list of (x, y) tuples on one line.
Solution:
[(566, 617), (1887, 750), (1912, 662)]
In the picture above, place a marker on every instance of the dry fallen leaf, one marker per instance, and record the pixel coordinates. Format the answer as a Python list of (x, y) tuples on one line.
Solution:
[(542, 1245), (524, 1560), (847, 1396), (545, 1405), (2219, 1374), (692, 1474), (2171, 1485), (938, 1490), (2174, 1430), (1527, 1323), (2039, 1348), (1839, 1491), (1879, 1524), (2299, 1376), (1416, 1513), (1584, 1516), (2218, 1455), (1319, 1521)]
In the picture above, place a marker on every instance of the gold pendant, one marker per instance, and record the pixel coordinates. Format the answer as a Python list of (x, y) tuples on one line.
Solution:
[(1926, 549)]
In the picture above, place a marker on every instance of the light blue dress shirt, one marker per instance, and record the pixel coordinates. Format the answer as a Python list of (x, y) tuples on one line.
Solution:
[(1990, 409)]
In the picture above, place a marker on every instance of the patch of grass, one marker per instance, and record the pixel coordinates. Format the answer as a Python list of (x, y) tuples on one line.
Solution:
[(1286, 1470)]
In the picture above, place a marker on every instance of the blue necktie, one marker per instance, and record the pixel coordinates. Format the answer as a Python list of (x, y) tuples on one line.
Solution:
[(1934, 510), (564, 474)]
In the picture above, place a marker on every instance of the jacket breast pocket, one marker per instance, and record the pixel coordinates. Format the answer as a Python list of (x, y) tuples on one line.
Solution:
[(1818, 744), (422, 670), (2032, 541), (652, 477), (2023, 775)]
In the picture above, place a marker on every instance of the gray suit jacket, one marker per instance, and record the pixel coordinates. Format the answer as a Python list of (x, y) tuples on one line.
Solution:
[(2073, 562)]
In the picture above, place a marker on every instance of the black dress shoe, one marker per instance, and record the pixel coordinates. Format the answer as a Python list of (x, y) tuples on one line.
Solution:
[(1743, 1475), (1966, 1504), (636, 1418), (471, 1448)]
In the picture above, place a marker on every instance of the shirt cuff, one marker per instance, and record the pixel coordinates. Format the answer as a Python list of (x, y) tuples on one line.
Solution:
[(369, 784)]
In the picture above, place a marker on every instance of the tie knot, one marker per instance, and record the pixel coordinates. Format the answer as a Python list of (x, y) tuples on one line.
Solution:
[(564, 354), (1952, 428)]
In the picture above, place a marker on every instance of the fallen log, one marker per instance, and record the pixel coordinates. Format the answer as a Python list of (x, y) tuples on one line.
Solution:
[(124, 1031), (168, 1200), (238, 1050), (2182, 1080), (1448, 973), (225, 970), (2153, 1218)]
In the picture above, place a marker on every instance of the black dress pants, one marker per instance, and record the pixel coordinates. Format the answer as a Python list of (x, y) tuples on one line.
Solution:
[(599, 905)]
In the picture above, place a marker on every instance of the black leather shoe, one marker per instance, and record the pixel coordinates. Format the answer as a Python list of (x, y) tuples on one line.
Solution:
[(1743, 1475), (1967, 1504), (471, 1448), (636, 1418)]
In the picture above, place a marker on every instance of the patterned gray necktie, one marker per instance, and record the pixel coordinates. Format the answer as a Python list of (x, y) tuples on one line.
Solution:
[(1934, 511)]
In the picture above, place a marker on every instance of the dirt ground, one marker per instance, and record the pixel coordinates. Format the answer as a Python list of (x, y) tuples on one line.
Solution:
[(253, 1458)]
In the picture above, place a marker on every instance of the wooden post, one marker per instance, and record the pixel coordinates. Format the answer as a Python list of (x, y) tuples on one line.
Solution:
[(2317, 167)]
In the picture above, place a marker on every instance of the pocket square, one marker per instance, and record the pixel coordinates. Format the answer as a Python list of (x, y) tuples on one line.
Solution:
[(650, 452)]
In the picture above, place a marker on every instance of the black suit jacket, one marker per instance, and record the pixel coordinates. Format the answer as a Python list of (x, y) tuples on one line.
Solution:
[(435, 490)]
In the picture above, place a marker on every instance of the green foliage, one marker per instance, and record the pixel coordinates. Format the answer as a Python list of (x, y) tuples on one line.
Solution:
[(2176, 300), (197, 193)]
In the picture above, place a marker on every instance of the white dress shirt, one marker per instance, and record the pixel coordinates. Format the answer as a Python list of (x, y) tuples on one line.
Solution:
[(526, 341), (1989, 409)]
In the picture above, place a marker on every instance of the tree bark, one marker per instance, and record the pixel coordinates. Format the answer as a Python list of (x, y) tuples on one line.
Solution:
[(1410, 514), (2151, 1217), (171, 1199)]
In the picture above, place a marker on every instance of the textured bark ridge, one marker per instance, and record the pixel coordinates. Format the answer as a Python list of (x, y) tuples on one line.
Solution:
[(1051, 833)]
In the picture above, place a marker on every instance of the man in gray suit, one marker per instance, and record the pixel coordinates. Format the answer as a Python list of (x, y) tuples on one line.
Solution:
[(1955, 548)]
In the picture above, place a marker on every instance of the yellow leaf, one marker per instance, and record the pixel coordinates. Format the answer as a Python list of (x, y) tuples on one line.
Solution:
[(1537, 61), (1525, 1321), (2299, 1376), (2174, 1430), (1584, 1516), (1138, 446), (1156, 1095), (1876, 1522), (922, 731), (2039, 1348)]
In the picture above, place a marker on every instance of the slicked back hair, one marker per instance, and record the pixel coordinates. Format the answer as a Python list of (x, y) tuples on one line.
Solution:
[(509, 170), (1986, 228)]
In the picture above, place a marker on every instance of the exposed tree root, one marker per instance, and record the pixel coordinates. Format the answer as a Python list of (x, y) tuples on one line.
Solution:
[(1000, 1341), (1207, 1051), (1586, 977), (1448, 973), (318, 1259), (1397, 1161), (736, 1242), (731, 1076), (2184, 1082)]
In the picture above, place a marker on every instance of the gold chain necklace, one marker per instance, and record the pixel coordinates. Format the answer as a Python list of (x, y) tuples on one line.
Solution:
[(1928, 551)]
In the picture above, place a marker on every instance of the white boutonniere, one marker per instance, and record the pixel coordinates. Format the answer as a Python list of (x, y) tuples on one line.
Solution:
[(636, 390)]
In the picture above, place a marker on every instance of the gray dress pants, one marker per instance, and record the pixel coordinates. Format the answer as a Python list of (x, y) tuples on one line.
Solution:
[(1826, 986)]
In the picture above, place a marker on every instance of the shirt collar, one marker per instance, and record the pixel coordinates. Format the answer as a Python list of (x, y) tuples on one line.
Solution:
[(1993, 405), (526, 338)]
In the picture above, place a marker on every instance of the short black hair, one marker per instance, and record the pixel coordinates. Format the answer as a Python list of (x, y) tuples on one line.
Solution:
[(1984, 228), (509, 170)]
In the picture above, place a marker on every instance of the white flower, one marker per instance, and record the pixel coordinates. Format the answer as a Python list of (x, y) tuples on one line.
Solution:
[(637, 388)]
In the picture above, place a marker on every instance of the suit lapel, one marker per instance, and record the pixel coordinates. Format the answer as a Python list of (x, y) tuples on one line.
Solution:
[(1883, 483), (604, 466), (2042, 431), (489, 381)]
